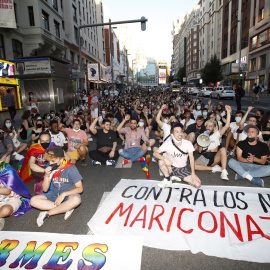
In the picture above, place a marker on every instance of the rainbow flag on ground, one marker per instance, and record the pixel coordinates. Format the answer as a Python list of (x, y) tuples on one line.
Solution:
[(10, 178), (145, 165)]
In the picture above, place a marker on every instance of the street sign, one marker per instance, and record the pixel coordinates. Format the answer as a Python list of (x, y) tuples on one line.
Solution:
[(78, 75), (235, 68), (184, 79)]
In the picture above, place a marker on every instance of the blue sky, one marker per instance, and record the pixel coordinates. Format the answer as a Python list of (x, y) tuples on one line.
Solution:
[(157, 39)]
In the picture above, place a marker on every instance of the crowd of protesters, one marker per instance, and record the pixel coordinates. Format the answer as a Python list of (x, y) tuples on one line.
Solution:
[(129, 125)]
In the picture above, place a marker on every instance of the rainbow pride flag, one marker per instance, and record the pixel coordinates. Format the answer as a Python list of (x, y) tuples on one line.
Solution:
[(10, 178)]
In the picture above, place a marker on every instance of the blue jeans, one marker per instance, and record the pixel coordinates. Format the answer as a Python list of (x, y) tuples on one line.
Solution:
[(133, 153), (243, 169)]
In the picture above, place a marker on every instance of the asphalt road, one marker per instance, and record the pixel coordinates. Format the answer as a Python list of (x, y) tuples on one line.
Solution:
[(100, 179)]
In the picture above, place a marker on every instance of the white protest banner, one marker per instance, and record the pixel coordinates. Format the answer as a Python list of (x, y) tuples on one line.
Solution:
[(229, 222), (7, 15), (67, 251)]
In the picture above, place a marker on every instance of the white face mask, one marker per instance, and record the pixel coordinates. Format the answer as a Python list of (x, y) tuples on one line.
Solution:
[(76, 130), (165, 121), (141, 124), (177, 141)]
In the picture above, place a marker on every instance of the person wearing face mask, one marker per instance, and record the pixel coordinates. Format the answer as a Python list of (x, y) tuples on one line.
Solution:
[(211, 156), (14, 135), (31, 102), (232, 136), (174, 165), (251, 158), (187, 120), (66, 186), (77, 142), (196, 108), (46, 120), (259, 116), (34, 164), (39, 128), (6, 147), (205, 114)]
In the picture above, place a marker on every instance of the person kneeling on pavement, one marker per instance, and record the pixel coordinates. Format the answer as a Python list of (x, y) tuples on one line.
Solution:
[(251, 158), (210, 156), (64, 183), (174, 165), (106, 152)]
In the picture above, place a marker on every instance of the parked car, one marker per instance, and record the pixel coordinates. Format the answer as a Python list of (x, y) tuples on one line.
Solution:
[(206, 91), (223, 92), (193, 90)]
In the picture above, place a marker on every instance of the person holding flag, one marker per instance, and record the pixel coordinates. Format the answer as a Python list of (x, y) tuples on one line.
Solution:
[(64, 181), (14, 196), (34, 164)]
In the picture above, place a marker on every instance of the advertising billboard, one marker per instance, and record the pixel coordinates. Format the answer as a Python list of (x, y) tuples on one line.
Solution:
[(162, 76), (146, 74), (32, 67), (7, 14), (93, 72), (6, 69), (103, 73)]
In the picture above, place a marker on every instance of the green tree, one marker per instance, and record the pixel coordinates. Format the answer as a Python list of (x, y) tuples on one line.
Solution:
[(170, 79), (181, 74), (212, 71)]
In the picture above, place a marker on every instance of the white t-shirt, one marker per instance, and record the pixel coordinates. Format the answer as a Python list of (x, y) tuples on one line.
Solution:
[(179, 160), (166, 131), (196, 113), (191, 121), (214, 141), (234, 127), (116, 93), (106, 92), (59, 139)]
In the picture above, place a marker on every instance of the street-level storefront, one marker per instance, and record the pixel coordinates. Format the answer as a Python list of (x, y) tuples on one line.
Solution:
[(7, 69)]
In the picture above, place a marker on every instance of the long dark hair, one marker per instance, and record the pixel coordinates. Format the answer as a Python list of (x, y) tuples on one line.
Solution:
[(5, 128), (265, 118)]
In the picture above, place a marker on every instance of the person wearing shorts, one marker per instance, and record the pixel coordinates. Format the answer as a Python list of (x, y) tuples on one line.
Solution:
[(173, 155), (211, 156), (66, 186), (77, 142)]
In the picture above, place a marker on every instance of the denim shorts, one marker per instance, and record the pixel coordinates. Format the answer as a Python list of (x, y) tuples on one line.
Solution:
[(52, 196)]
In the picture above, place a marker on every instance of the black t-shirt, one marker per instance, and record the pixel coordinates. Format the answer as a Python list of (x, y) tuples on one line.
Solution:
[(148, 115), (105, 139), (193, 128), (259, 150), (36, 133)]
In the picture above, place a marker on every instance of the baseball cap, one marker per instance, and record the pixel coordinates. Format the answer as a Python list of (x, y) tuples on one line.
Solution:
[(247, 127), (57, 152)]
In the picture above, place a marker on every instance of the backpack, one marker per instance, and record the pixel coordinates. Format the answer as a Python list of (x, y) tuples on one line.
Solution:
[(257, 89), (242, 92)]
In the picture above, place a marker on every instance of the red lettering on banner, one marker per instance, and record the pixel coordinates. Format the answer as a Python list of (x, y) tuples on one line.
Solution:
[(120, 206), (156, 218), (259, 230), (179, 220), (237, 232), (170, 220), (144, 209), (200, 222)]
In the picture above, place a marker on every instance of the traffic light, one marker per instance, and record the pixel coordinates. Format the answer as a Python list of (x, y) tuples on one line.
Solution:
[(143, 23), (241, 75), (245, 75)]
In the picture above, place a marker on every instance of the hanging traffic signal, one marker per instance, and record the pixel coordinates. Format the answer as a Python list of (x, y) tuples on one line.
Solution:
[(245, 75)]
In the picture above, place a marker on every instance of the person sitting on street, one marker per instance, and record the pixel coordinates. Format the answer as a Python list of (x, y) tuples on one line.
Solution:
[(6, 147), (106, 152), (194, 130), (77, 142), (132, 151), (211, 156), (251, 158), (174, 165), (39, 128), (187, 120), (58, 137), (66, 186)]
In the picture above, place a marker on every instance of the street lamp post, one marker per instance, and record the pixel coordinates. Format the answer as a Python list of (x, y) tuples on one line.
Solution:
[(240, 46), (142, 20)]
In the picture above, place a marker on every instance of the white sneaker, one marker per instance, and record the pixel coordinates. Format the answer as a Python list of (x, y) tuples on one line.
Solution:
[(165, 183), (110, 163), (175, 178), (2, 223), (90, 139), (68, 214), (42, 217), (224, 175), (17, 156), (216, 168)]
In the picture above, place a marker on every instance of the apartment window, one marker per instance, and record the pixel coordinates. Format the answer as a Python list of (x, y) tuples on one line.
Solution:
[(2, 48), (194, 36), (61, 4), (63, 25), (76, 34), (262, 63), (194, 65), (17, 49), (72, 56), (195, 43), (194, 58), (254, 42), (55, 4), (253, 64), (195, 51), (262, 38), (45, 18), (31, 16), (74, 13), (15, 12), (57, 28), (261, 14), (80, 8)]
